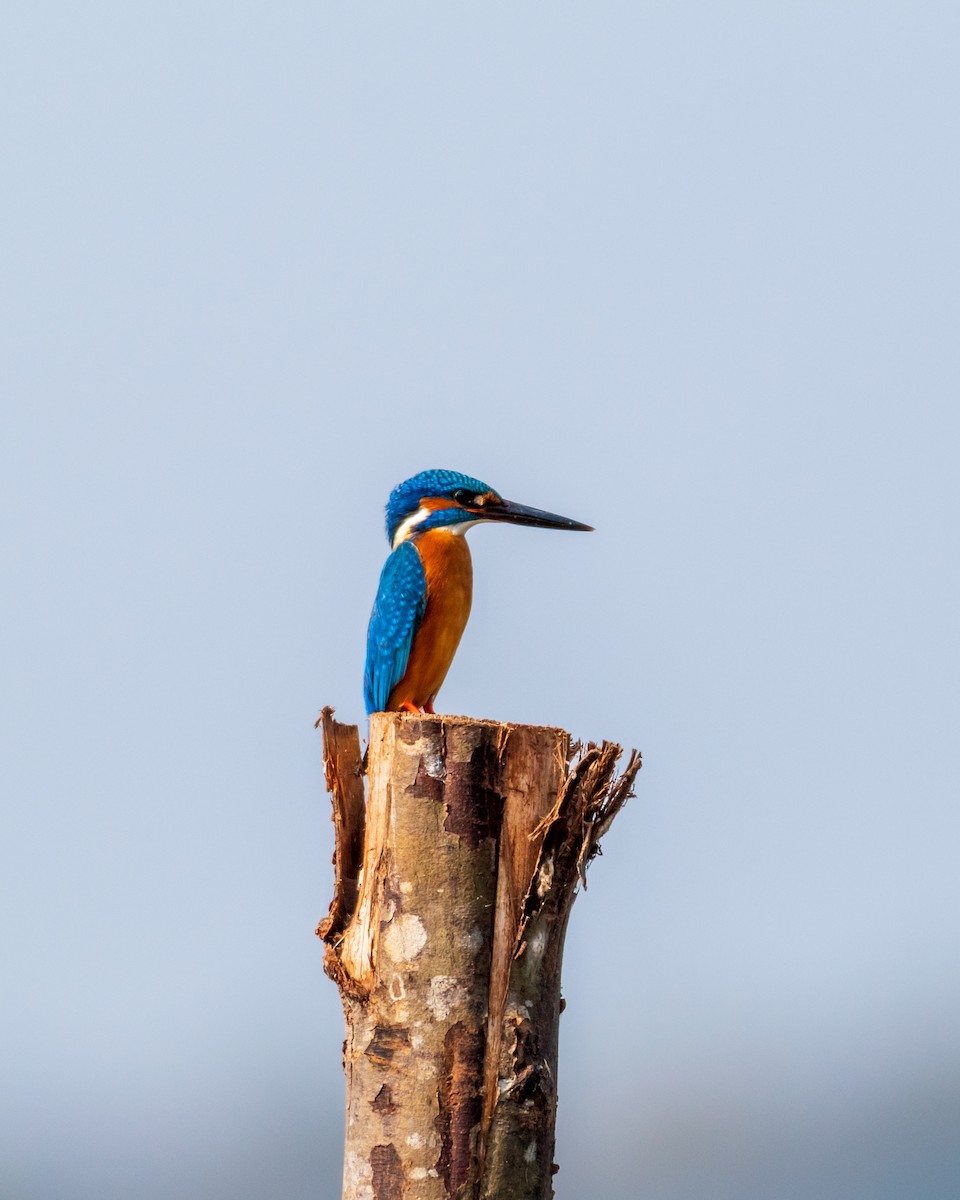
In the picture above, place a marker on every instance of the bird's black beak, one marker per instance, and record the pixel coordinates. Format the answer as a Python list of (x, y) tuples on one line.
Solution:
[(520, 514)]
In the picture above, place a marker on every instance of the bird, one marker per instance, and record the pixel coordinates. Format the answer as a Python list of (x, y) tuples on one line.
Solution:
[(426, 586)]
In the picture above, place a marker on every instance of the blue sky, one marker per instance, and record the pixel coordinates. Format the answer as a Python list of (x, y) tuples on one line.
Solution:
[(686, 272)]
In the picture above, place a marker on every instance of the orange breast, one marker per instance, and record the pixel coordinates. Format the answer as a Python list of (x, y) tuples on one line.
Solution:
[(449, 571)]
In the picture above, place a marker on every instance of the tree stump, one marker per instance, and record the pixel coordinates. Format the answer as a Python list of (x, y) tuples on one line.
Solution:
[(454, 882)]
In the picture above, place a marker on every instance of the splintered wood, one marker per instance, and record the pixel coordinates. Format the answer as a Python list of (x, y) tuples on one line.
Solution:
[(454, 882)]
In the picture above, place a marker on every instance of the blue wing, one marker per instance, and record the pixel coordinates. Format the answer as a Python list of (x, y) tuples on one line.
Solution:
[(397, 612)]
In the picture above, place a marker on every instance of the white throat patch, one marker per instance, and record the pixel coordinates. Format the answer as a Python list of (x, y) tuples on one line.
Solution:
[(461, 527)]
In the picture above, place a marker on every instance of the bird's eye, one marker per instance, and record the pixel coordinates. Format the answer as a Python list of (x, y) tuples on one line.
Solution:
[(463, 496)]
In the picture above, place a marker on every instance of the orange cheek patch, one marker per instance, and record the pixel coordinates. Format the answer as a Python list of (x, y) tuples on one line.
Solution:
[(435, 503)]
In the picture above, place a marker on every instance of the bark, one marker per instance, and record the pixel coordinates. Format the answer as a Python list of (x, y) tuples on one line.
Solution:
[(454, 882)]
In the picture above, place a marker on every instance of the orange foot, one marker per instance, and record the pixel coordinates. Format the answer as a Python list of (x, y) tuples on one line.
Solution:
[(410, 707), (428, 709)]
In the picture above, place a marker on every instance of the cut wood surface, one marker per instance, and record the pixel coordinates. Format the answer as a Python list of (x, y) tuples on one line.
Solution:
[(454, 881)]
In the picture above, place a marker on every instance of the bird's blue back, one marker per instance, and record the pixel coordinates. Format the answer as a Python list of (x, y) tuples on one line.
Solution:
[(397, 611)]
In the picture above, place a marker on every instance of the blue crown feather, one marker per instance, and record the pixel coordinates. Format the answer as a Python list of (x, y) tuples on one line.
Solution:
[(405, 497)]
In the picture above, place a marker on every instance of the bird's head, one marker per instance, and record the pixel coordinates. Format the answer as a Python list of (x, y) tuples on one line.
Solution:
[(448, 500)]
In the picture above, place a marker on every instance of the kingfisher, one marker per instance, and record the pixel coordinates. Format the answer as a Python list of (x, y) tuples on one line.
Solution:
[(426, 585)]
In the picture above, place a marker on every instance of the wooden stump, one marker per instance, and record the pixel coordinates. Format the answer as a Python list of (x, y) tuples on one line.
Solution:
[(454, 882)]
